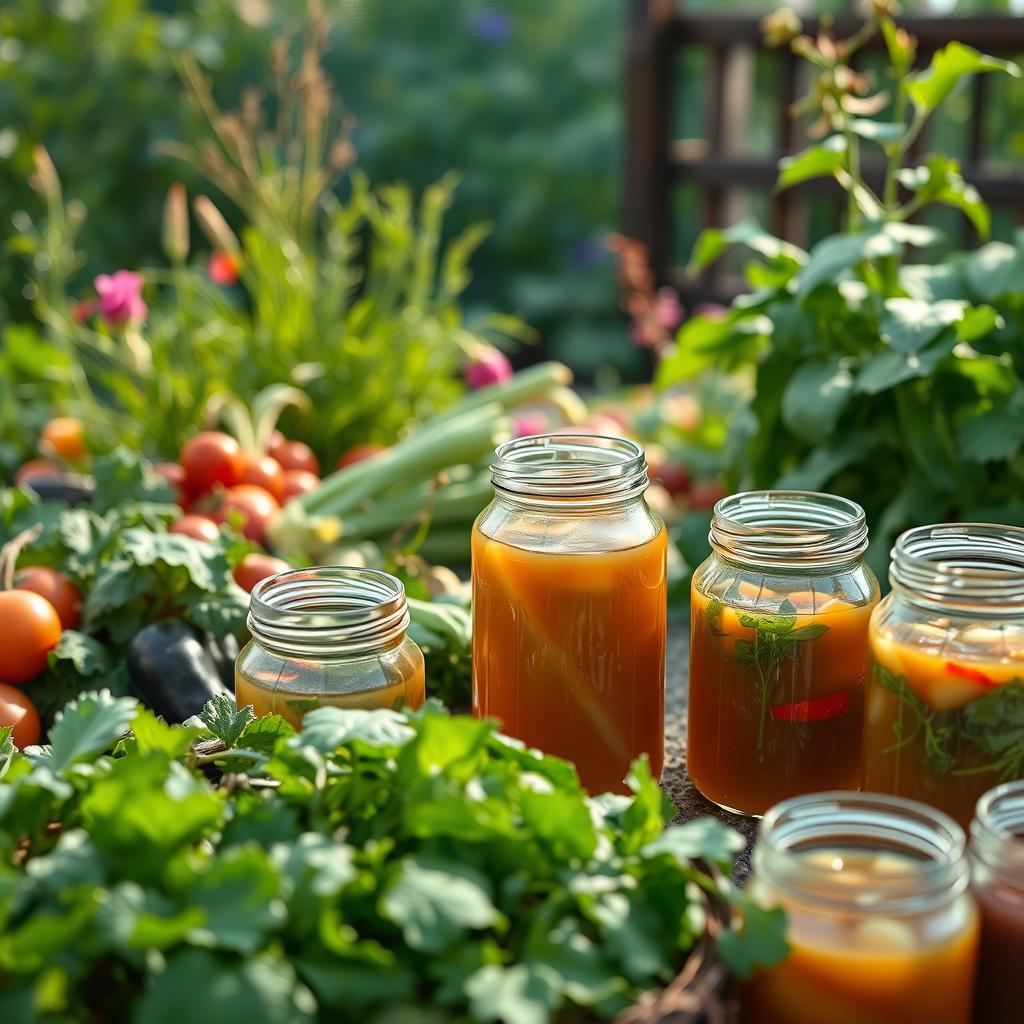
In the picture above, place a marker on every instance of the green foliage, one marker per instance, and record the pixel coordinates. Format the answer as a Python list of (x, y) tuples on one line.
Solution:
[(896, 383), (376, 862)]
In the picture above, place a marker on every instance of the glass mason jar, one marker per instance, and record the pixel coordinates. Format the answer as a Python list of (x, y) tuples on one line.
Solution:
[(997, 866), (569, 604), (778, 649), (330, 635), (882, 927), (946, 695)]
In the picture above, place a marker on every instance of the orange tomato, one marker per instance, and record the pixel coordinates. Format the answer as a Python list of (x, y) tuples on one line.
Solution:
[(65, 597), (65, 435), (211, 458), (262, 471), (298, 481), (196, 527), (296, 455), (254, 506), (17, 710), (255, 568), (29, 630)]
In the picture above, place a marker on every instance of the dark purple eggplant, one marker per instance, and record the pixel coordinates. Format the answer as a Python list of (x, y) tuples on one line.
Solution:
[(172, 670), (65, 488)]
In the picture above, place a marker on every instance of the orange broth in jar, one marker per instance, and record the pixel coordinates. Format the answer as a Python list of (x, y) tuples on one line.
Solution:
[(778, 651), (569, 606), (880, 925)]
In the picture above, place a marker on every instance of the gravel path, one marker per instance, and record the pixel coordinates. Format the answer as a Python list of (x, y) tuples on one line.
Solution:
[(676, 781)]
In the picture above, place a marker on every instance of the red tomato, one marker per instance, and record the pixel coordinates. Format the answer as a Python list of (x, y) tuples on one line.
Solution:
[(296, 455), (255, 568), (358, 454), (673, 477), (263, 471), (254, 507), (29, 630), (298, 481), (276, 444), (56, 588), (175, 476), (34, 469), (17, 710), (64, 434), (211, 458), (197, 527), (705, 493)]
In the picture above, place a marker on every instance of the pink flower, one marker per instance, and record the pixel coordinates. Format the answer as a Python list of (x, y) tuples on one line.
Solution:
[(531, 423), (223, 267), (485, 367), (119, 298), (667, 309)]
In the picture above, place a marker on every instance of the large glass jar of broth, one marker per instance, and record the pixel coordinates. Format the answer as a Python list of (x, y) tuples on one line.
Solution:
[(946, 695), (569, 604), (881, 926), (779, 649), (331, 635)]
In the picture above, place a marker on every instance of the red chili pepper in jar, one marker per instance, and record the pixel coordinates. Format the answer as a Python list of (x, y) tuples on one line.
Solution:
[(966, 672), (816, 709)]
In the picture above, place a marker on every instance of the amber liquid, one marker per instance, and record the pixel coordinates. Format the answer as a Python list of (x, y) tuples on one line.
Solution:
[(748, 746), (896, 753), (868, 969), (569, 653), (289, 693), (1000, 991)]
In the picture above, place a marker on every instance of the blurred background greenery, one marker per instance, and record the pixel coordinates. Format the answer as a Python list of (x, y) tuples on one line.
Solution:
[(523, 97)]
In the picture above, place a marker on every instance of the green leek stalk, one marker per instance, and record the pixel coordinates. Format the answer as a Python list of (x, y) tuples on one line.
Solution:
[(534, 384)]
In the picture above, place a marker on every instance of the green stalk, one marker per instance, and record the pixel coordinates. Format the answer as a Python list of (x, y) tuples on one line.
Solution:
[(433, 448), (529, 385), (447, 547), (455, 503)]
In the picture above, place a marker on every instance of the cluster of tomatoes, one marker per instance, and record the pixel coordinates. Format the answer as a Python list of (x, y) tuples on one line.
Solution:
[(217, 482), (41, 605)]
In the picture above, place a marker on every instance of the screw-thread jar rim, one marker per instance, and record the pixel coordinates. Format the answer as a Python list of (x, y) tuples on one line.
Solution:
[(570, 470), (932, 841), (997, 832), (961, 567), (324, 612), (788, 528)]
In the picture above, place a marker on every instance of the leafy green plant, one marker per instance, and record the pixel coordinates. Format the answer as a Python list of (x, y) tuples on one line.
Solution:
[(379, 866), (898, 384)]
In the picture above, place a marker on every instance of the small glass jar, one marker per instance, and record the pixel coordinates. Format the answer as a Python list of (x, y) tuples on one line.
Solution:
[(330, 635), (882, 928), (997, 868), (569, 604), (778, 649), (947, 648)]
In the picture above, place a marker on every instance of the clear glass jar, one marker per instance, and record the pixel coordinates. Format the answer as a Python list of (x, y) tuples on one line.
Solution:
[(947, 647), (569, 604), (882, 928), (997, 869), (778, 649), (330, 635)]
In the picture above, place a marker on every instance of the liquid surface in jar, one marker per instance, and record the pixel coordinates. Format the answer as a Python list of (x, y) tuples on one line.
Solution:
[(945, 714), (1000, 990), (776, 695), (864, 967), (569, 653), (291, 688)]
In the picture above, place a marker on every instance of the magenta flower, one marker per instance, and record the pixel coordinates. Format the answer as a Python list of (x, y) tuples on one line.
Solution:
[(486, 366), (667, 310), (530, 423), (119, 298)]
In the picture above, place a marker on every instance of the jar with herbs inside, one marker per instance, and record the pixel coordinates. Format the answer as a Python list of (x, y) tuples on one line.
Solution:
[(945, 706), (330, 635), (778, 649)]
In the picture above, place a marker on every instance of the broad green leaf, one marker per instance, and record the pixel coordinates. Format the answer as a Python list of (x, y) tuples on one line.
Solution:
[(837, 253), (759, 941), (350, 987), (814, 162), (887, 369), (824, 462), (705, 838), (815, 396), (928, 88), (926, 434), (88, 726), (225, 719), (442, 743), (152, 733), (323, 864), (994, 271), (940, 181), (197, 984), (704, 342), (434, 902), (633, 933), (562, 822), (918, 235), (82, 653), (932, 283), (73, 861), (132, 918), (712, 242), (883, 132), (910, 325), (519, 994), (328, 728), (145, 548), (585, 974), (978, 322), (993, 435)]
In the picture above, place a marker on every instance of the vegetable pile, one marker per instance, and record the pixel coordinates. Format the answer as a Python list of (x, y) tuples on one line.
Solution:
[(379, 867)]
